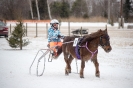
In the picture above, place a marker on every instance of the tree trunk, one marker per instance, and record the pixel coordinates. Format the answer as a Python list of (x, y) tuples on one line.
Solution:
[(49, 12), (31, 11), (38, 14), (21, 43)]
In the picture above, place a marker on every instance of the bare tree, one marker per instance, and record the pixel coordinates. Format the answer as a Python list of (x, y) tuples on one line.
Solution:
[(38, 14), (49, 12), (31, 11), (10, 10)]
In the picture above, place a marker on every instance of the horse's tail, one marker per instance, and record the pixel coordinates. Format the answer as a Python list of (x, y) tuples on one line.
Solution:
[(59, 52)]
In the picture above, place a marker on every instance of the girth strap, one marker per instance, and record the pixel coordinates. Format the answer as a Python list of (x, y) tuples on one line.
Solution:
[(77, 51), (77, 48)]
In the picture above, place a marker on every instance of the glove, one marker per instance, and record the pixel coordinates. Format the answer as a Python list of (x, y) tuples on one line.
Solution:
[(59, 36), (62, 37)]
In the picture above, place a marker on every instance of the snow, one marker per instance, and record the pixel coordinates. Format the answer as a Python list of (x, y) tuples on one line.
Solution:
[(116, 67)]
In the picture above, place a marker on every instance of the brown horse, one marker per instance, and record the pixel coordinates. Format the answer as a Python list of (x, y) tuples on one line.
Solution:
[(86, 49)]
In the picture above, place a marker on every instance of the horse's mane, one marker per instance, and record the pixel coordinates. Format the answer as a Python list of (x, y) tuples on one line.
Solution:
[(92, 36), (87, 38)]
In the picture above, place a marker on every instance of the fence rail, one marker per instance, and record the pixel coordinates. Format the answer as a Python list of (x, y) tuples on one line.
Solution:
[(41, 29)]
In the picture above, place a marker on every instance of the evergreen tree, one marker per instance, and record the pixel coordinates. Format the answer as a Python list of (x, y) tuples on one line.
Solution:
[(65, 9), (60, 9), (43, 9), (16, 39), (79, 8), (55, 9), (126, 9)]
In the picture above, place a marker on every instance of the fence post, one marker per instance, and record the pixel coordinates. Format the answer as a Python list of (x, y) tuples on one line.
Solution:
[(10, 28), (36, 29), (81, 31), (46, 30), (69, 28), (26, 29)]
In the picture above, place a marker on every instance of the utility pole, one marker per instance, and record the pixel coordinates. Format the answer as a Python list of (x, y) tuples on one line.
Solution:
[(121, 9), (122, 13), (121, 19), (109, 11)]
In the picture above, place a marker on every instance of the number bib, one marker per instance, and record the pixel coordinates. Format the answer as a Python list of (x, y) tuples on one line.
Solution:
[(75, 42)]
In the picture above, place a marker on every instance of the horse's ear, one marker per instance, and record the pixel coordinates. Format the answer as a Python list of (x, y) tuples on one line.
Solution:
[(100, 30), (105, 31)]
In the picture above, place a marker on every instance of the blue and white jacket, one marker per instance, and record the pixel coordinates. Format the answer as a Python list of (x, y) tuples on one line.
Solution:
[(53, 35)]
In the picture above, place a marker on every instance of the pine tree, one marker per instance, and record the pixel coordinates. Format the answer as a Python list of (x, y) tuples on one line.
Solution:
[(43, 9), (60, 9), (55, 9), (16, 39), (79, 8), (65, 9)]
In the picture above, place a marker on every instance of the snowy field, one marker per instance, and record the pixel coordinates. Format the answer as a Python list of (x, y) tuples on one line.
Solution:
[(116, 67)]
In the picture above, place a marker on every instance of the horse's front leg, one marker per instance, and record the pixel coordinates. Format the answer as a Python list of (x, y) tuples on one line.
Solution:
[(82, 69), (97, 73)]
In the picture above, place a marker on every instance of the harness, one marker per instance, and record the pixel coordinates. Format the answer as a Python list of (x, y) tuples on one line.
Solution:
[(92, 53), (77, 49)]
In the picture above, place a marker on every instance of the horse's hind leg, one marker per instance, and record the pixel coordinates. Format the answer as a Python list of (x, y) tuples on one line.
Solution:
[(67, 69), (68, 64), (97, 73), (70, 61)]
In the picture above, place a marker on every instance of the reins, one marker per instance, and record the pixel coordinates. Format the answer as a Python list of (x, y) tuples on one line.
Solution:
[(67, 42)]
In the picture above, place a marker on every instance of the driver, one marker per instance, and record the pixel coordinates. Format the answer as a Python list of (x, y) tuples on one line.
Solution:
[(54, 37)]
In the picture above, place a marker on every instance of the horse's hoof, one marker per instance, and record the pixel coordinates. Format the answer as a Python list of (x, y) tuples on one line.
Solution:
[(68, 71), (81, 76), (97, 75), (66, 74)]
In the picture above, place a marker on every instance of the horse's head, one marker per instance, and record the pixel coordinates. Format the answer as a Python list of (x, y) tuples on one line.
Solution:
[(102, 35), (105, 41)]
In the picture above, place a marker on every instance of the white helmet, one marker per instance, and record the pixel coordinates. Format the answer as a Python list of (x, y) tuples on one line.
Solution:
[(54, 21)]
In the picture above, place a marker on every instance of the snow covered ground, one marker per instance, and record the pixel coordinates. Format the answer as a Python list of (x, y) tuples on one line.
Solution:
[(116, 67)]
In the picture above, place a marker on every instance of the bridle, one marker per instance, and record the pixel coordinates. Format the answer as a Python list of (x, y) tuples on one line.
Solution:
[(106, 37)]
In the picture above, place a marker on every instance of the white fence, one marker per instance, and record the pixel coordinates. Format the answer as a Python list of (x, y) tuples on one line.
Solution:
[(40, 29)]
